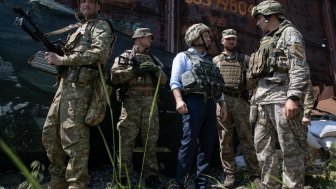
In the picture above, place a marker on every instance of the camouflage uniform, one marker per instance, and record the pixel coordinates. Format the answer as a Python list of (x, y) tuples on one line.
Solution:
[(233, 71), (308, 105), (136, 107), (280, 69), (65, 132), (309, 100)]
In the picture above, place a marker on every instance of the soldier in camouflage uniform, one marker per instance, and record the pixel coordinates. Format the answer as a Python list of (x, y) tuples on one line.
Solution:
[(65, 133), (308, 105), (280, 73), (233, 67), (139, 72)]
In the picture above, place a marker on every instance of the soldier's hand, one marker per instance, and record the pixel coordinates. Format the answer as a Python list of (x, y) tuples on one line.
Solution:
[(53, 58), (181, 107), (305, 121), (223, 112), (149, 67), (291, 108)]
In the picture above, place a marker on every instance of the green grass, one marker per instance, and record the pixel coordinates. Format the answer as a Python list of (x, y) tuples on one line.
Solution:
[(31, 182)]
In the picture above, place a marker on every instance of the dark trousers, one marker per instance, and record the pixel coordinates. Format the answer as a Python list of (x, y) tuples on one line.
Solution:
[(199, 133)]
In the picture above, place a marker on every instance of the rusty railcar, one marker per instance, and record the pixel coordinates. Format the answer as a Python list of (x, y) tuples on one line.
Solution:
[(168, 19)]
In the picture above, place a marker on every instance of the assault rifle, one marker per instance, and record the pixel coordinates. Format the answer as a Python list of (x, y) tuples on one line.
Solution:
[(122, 88), (26, 23)]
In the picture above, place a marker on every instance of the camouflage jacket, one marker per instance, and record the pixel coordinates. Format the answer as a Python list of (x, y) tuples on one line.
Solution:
[(277, 87), (122, 71), (308, 100), (90, 44)]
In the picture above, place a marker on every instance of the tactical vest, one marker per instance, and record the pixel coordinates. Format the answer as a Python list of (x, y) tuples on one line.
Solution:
[(263, 63), (233, 70), (145, 80), (204, 77), (80, 41)]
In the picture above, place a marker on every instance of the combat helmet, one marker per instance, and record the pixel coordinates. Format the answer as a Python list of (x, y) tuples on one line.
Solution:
[(99, 2), (142, 32), (194, 32), (269, 7)]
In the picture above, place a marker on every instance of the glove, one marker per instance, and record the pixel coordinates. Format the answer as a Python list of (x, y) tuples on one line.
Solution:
[(137, 71), (149, 67)]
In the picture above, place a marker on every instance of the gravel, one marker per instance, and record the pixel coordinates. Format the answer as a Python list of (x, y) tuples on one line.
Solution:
[(100, 177)]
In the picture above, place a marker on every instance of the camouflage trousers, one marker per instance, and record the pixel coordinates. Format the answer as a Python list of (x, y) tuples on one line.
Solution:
[(309, 153), (237, 118), (273, 124), (65, 136), (134, 120)]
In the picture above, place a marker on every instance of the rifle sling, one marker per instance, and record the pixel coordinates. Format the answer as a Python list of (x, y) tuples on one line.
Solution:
[(63, 30)]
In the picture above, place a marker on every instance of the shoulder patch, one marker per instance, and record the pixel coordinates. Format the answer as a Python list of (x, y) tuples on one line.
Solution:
[(298, 50), (295, 39)]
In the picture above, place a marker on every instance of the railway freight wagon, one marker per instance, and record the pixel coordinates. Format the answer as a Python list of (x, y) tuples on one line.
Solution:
[(169, 19)]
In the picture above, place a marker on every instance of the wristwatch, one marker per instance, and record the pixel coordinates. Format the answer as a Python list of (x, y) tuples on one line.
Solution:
[(294, 98)]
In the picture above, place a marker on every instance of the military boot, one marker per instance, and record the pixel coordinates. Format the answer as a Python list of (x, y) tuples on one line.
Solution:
[(121, 184), (257, 182), (55, 183), (174, 185), (230, 180), (154, 182), (308, 182), (75, 185)]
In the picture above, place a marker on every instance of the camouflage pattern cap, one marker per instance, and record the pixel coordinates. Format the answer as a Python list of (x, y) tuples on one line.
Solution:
[(142, 32), (269, 7), (228, 33)]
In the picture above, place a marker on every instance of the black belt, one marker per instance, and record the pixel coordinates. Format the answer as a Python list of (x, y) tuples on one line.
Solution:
[(140, 93), (205, 96), (237, 94)]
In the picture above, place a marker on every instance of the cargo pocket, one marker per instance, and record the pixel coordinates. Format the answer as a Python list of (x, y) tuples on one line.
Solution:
[(70, 114), (73, 40), (87, 75), (262, 116), (188, 79)]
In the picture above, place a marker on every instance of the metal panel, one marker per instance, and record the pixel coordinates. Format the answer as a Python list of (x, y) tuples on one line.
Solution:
[(236, 14)]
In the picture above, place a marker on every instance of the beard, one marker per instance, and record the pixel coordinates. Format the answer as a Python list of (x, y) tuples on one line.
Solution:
[(230, 48)]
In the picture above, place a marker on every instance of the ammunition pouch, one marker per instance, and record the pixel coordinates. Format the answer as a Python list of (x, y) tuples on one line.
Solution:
[(140, 93), (279, 81), (203, 78), (188, 79), (82, 74), (253, 113), (260, 65), (97, 107), (72, 74)]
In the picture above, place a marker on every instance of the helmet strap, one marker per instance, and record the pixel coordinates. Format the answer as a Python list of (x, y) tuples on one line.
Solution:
[(206, 48), (267, 17)]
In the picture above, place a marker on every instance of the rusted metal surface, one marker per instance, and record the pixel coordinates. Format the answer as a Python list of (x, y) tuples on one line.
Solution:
[(307, 16), (331, 38), (327, 106), (169, 20)]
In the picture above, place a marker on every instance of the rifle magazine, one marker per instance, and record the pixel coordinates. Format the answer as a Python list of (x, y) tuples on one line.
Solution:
[(38, 61)]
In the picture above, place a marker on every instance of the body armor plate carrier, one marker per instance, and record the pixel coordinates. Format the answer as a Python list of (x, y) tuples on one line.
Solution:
[(203, 78), (233, 69)]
